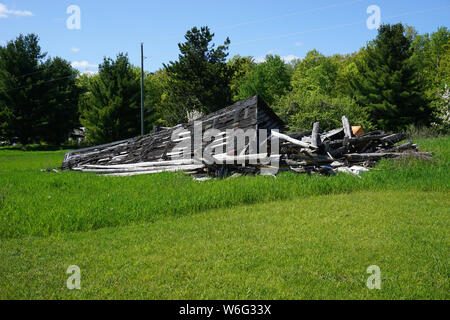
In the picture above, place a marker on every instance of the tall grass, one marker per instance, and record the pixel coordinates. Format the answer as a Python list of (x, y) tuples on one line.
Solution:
[(33, 203)]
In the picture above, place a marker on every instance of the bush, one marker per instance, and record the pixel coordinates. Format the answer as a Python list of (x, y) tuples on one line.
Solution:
[(301, 111)]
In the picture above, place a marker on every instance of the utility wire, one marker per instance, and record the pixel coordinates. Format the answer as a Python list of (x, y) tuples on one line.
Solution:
[(38, 84), (29, 74), (332, 6), (242, 24), (274, 37)]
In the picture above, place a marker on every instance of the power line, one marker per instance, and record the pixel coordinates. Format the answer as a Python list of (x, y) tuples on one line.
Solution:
[(274, 37), (417, 12), (332, 6), (38, 84), (299, 33), (242, 24), (31, 73)]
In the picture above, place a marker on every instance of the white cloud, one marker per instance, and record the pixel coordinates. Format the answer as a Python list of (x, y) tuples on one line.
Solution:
[(75, 49), (85, 67), (287, 59), (290, 58), (5, 12), (90, 73), (259, 59), (298, 44)]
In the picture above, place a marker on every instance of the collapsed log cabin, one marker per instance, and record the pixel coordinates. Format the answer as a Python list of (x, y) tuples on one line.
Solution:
[(245, 138), (159, 151)]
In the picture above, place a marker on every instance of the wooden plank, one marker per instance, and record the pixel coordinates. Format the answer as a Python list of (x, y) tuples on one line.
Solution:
[(149, 170), (347, 128), (249, 157), (142, 164), (393, 138), (291, 140), (315, 136)]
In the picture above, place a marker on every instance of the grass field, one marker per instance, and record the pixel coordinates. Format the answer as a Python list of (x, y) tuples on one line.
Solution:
[(168, 237)]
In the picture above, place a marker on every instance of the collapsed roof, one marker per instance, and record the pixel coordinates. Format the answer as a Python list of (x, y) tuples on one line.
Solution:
[(252, 113)]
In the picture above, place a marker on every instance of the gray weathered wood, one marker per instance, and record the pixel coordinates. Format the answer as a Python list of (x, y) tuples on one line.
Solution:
[(315, 136), (304, 152), (347, 128), (291, 140)]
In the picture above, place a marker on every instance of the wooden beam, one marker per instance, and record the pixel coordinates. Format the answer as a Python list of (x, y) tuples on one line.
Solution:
[(147, 170), (347, 128), (315, 136), (140, 165), (291, 140)]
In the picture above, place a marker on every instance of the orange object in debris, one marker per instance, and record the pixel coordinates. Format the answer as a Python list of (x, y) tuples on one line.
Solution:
[(358, 131)]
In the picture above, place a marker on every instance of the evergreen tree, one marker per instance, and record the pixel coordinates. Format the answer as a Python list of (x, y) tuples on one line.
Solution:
[(110, 110), (21, 103), (200, 79), (389, 85), (61, 94), (38, 99)]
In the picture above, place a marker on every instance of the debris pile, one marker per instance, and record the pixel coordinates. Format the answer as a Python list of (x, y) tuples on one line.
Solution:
[(346, 149)]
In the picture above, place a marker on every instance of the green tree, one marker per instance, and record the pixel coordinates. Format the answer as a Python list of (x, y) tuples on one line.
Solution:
[(317, 107), (38, 99), (429, 54), (155, 84), (110, 110), (240, 68), (200, 79), (389, 85), (20, 91), (61, 94), (316, 73), (270, 79)]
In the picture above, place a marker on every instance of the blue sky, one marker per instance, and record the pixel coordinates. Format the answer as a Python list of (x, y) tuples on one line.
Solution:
[(285, 27)]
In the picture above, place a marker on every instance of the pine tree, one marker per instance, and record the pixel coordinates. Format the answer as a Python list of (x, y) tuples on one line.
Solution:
[(21, 103), (110, 110), (60, 115), (389, 85), (199, 80), (38, 99)]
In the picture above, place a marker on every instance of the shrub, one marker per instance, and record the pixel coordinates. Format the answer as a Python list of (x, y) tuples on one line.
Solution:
[(301, 111)]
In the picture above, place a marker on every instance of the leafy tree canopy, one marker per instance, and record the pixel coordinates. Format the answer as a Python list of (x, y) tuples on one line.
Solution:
[(270, 79), (240, 68)]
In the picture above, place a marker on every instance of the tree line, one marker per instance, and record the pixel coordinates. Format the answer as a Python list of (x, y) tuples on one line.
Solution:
[(398, 80)]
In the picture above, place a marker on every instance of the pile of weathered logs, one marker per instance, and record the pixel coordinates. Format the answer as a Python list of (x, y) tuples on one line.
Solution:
[(327, 153), (345, 149), (341, 150)]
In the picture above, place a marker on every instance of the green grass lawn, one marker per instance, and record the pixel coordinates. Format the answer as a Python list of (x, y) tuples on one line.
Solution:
[(168, 237)]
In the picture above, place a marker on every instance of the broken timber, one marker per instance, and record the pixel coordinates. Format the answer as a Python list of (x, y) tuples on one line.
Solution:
[(175, 149)]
